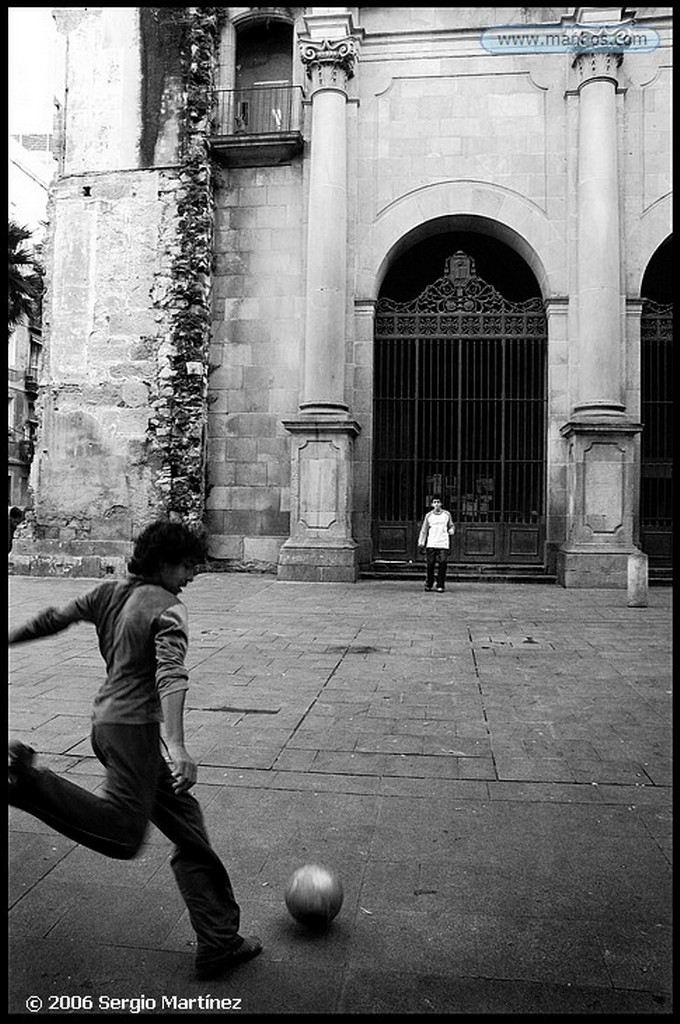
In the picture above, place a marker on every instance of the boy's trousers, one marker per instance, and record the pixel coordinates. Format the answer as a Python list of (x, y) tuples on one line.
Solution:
[(138, 789), (440, 557)]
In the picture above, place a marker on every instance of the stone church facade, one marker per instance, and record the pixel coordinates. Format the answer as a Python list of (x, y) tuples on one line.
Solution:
[(309, 266)]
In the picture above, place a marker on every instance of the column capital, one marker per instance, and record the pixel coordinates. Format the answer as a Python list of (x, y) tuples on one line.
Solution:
[(597, 67), (329, 63)]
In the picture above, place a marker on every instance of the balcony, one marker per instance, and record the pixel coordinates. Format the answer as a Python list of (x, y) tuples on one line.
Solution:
[(20, 450), (31, 383), (258, 127)]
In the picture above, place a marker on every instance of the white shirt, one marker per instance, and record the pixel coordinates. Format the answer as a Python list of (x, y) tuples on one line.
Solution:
[(434, 532)]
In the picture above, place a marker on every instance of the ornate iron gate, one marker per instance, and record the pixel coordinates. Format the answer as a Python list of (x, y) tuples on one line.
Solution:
[(460, 410), (656, 484)]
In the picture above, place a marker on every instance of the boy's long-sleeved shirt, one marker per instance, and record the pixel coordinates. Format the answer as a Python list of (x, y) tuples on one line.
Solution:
[(435, 530), (143, 638)]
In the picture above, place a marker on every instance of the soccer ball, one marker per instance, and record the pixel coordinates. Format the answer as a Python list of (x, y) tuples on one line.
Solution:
[(313, 895)]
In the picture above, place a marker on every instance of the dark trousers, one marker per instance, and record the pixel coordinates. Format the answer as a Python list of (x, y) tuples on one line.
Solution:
[(438, 557), (138, 789)]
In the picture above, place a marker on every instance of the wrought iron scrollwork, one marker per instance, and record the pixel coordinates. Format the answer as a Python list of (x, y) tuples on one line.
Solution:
[(461, 292)]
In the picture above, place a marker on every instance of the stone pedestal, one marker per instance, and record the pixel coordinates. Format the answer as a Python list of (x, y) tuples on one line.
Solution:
[(320, 548), (601, 489)]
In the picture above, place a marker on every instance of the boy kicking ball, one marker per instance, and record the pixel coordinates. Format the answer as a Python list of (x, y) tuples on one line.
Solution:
[(141, 626)]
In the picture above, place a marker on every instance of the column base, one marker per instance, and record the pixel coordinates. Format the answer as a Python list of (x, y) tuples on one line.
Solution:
[(320, 548), (309, 562), (324, 410), (604, 569)]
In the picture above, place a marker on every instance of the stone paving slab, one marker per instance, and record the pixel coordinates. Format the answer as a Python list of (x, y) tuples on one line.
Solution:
[(487, 770)]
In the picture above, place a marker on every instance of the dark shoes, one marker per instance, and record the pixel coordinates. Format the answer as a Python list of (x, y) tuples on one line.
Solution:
[(250, 947), (427, 588), (20, 755), (440, 590), (20, 760)]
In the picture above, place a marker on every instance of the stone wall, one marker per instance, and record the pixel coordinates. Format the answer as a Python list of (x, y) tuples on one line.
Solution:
[(258, 330)]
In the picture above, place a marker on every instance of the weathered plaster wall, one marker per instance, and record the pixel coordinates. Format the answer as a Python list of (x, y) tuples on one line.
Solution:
[(96, 469), (103, 98)]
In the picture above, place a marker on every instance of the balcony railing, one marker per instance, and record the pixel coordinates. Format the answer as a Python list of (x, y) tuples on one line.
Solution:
[(261, 110), (259, 125)]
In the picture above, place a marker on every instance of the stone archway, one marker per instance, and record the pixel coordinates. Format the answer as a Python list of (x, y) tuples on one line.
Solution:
[(500, 214), (459, 410), (464, 205)]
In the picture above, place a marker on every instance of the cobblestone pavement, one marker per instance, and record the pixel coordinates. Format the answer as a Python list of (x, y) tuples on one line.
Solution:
[(487, 770)]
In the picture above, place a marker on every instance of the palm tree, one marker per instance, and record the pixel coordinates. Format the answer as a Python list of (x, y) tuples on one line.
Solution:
[(25, 278)]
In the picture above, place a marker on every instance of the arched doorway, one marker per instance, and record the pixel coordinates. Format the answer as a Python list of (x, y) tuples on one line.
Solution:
[(460, 404), (656, 379)]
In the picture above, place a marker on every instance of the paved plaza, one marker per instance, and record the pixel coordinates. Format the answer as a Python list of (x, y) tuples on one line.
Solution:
[(487, 770)]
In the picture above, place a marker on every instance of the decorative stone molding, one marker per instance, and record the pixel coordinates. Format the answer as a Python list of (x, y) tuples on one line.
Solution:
[(329, 65), (249, 15), (601, 457)]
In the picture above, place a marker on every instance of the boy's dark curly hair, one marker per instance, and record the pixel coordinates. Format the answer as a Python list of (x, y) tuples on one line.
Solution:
[(164, 541)]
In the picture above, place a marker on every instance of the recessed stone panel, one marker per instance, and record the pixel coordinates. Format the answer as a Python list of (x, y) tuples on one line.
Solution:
[(603, 487)]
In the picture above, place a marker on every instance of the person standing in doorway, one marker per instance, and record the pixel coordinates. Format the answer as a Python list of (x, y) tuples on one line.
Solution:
[(141, 625), (436, 529)]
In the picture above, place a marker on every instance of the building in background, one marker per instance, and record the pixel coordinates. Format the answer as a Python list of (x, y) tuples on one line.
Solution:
[(30, 171), (31, 167), (307, 267)]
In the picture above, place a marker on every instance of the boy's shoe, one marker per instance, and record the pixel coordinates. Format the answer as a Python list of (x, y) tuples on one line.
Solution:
[(20, 755), (217, 965), (426, 587), (20, 760), (440, 590)]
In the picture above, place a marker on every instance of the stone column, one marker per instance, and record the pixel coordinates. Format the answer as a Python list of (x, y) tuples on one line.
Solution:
[(320, 547), (598, 258), (600, 436), (329, 66)]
